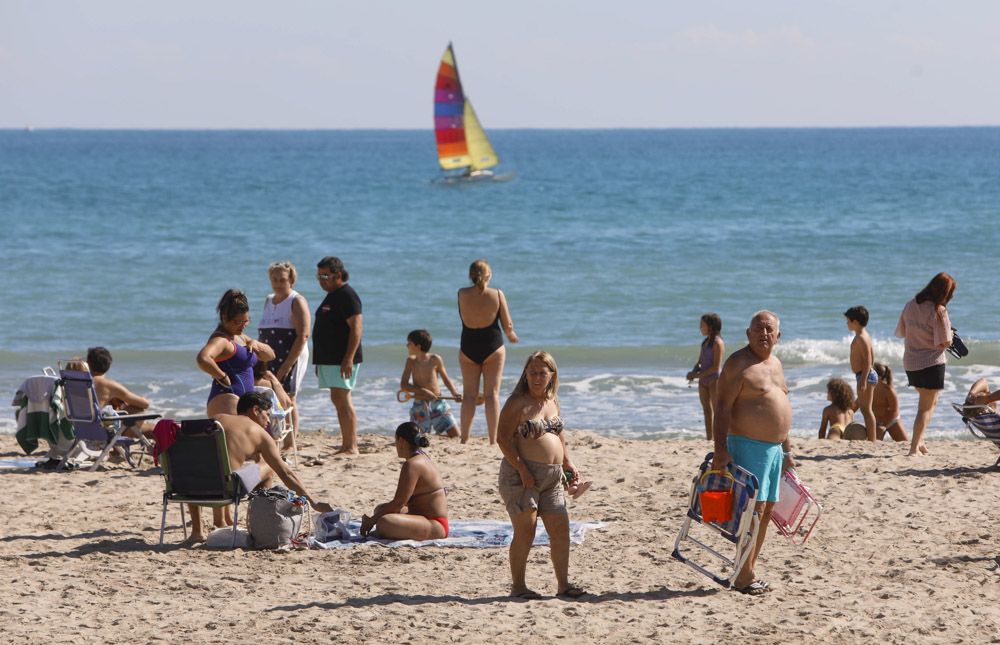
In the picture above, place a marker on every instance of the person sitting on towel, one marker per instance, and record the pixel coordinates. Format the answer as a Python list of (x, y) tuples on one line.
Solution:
[(247, 440), (419, 510)]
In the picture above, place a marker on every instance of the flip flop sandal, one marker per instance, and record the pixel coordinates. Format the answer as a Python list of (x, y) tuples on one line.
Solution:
[(527, 594), (571, 592), (755, 588), (581, 488)]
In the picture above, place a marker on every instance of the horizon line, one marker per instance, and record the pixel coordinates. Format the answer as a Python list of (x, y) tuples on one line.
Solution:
[(34, 128)]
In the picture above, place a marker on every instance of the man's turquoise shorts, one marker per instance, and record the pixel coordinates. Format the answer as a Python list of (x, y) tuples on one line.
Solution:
[(763, 459), (329, 377)]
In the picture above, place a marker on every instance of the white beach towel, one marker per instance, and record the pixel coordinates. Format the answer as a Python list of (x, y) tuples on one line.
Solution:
[(476, 534)]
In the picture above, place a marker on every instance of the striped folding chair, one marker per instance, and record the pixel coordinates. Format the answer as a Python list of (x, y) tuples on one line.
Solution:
[(982, 421), (738, 534)]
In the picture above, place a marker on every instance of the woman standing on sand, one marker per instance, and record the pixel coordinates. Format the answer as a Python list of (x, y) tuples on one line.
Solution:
[(708, 367), (483, 311), (532, 473), (285, 326), (926, 328), (229, 355)]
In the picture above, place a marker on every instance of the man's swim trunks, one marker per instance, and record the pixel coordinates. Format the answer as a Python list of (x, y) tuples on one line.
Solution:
[(872, 377), (763, 459), (432, 415)]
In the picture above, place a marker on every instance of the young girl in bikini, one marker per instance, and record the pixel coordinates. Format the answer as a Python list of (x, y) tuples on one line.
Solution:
[(840, 412)]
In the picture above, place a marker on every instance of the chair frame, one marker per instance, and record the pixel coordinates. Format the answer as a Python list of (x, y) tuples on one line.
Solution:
[(113, 425), (969, 414), (230, 487), (794, 506), (741, 530), (279, 422)]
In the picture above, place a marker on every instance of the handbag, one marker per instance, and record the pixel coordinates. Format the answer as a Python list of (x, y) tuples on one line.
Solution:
[(274, 517), (958, 348)]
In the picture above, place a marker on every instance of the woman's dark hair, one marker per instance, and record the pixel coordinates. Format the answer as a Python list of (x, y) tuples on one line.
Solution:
[(411, 432), (714, 324), (233, 303), (333, 264), (841, 394), (884, 373), (260, 367), (939, 290)]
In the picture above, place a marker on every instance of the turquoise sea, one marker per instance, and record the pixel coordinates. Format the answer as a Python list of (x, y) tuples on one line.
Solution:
[(609, 245)]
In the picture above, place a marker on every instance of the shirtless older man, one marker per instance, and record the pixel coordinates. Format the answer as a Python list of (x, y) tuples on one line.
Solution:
[(752, 419), (247, 440)]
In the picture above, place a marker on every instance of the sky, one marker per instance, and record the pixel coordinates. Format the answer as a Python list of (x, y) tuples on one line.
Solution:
[(526, 64)]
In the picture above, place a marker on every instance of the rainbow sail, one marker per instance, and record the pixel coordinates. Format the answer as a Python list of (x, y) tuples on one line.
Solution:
[(461, 140)]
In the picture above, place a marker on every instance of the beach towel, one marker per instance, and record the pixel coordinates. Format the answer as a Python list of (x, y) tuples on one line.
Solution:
[(476, 534)]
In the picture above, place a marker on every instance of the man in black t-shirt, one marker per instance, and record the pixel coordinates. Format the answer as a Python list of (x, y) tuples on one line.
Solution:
[(337, 346)]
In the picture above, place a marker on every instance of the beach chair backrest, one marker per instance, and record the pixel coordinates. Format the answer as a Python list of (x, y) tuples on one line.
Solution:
[(988, 424), (795, 504), (197, 465), (744, 489), (82, 410)]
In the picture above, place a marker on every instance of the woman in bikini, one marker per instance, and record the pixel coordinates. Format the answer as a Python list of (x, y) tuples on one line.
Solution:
[(708, 367), (229, 355), (532, 473), (483, 311), (419, 510)]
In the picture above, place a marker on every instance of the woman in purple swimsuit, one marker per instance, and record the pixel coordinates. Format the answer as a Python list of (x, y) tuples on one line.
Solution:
[(229, 355), (708, 367)]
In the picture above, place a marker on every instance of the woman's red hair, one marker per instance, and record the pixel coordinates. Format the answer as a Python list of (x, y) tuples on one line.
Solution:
[(939, 290)]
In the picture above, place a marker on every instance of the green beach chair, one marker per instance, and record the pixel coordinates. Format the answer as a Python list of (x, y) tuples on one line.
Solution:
[(196, 470)]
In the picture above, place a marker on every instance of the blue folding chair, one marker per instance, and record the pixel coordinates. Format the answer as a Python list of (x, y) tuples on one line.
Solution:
[(739, 533), (982, 421), (92, 425)]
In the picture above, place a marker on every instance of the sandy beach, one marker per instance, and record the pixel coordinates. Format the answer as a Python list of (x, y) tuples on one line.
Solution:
[(906, 550)]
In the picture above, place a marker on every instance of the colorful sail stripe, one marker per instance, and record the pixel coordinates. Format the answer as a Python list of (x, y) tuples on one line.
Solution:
[(449, 108)]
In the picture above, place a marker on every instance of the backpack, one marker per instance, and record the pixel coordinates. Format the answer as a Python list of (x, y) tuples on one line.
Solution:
[(274, 517)]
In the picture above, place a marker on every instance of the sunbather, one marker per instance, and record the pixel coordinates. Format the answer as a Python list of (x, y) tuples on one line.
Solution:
[(980, 394), (419, 510), (247, 440), (111, 392)]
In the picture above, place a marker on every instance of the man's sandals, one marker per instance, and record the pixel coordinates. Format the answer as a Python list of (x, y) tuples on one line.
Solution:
[(755, 588)]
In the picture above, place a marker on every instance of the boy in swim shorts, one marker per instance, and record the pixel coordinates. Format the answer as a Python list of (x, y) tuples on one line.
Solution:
[(862, 364), (420, 379)]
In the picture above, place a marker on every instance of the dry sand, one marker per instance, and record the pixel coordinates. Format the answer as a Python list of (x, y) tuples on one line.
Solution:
[(906, 550)]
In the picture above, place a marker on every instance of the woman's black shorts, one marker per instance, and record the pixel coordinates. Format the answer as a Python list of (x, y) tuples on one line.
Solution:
[(929, 378)]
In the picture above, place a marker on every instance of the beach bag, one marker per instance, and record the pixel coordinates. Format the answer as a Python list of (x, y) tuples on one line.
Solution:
[(274, 517), (958, 348)]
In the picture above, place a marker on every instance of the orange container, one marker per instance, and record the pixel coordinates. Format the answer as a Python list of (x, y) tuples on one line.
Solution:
[(716, 505)]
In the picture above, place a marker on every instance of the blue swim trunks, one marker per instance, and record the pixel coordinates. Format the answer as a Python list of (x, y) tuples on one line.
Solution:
[(763, 459), (432, 415), (872, 377), (329, 377)]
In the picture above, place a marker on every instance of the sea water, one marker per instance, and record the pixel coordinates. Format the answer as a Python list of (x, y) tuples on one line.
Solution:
[(609, 245)]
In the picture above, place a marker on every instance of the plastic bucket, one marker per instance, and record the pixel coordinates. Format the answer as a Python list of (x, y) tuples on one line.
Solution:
[(716, 505)]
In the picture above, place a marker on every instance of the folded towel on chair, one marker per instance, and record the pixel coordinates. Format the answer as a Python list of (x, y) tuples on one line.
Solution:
[(477, 534)]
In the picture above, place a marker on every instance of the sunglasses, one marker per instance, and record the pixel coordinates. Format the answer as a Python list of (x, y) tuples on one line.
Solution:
[(321, 276)]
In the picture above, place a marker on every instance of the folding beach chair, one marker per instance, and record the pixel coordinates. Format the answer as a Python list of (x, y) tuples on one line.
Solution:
[(280, 421), (739, 533), (982, 421), (196, 470), (95, 426), (794, 506)]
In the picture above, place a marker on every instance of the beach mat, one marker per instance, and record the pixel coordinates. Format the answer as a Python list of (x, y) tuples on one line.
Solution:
[(476, 534)]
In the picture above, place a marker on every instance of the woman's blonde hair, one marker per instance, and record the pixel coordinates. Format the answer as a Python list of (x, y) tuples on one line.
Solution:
[(480, 273), (284, 265), (549, 362), (77, 364)]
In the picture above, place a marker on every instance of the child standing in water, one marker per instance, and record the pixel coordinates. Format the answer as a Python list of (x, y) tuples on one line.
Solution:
[(708, 367), (885, 404), (840, 412)]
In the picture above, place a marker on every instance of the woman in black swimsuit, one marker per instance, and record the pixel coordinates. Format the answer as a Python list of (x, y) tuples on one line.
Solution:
[(484, 313)]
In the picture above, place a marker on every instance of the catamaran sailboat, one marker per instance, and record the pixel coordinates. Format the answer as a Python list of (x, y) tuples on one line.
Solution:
[(463, 146)]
